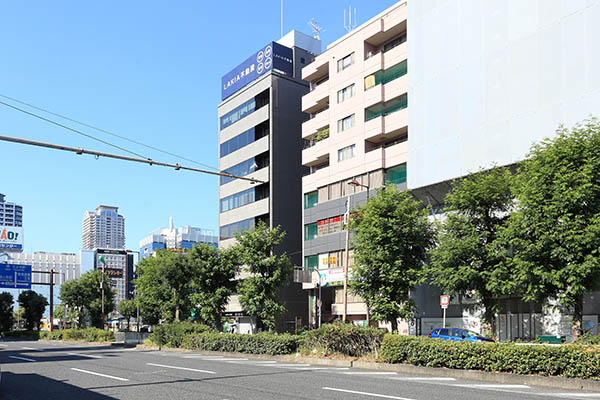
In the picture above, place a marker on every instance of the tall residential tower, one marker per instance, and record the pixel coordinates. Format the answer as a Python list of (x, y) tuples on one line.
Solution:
[(104, 228)]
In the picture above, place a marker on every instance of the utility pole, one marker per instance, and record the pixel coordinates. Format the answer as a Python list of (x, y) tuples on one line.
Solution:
[(51, 284), (345, 313), (102, 289)]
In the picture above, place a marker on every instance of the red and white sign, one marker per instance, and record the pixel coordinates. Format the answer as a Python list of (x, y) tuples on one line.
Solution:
[(444, 301)]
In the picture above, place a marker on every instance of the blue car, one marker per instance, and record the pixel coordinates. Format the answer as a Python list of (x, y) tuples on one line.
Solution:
[(458, 335)]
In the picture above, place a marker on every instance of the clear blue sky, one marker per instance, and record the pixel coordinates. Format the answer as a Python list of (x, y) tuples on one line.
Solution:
[(148, 70)]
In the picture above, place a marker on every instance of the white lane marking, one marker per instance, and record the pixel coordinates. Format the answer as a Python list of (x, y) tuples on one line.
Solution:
[(23, 358), (577, 395), (251, 362), (385, 396), (182, 368), (323, 368), (422, 378), (210, 358), (3, 345), (28, 348), (369, 373), (287, 365), (84, 355), (494, 386), (98, 374)]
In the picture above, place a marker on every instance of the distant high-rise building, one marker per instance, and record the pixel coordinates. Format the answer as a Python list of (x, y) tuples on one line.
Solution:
[(103, 228), (181, 238), (11, 226)]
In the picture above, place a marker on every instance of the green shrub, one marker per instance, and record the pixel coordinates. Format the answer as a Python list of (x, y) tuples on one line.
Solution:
[(172, 334), (260, 343), (569, 361), (588, 338), (54, 335), (29, 335), (347, 339)]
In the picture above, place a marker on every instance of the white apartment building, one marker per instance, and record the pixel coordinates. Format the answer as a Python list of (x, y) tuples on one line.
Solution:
[(104, 228), (355, 139), (178, 238), (11, 226), (486, 81)]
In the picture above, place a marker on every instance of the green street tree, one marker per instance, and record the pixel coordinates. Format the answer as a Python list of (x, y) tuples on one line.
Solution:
[(555, 234), (268, 272), (6, 312), (84, 297), (391, 237), (467, 257), (212, 281), (128, 309), (163, 287), (33, 306)]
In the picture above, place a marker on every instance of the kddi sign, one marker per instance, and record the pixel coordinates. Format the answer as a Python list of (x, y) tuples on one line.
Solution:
[(11, 237)]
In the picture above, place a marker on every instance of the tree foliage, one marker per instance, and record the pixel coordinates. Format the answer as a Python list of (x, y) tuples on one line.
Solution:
[(84, 298), (555, 233), (391, 237), (467, 256), (268, 272), (6, 312), (128, 309), (33, 305), (212, 281)]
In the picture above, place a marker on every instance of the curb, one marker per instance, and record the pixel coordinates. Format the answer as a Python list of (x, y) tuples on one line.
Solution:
[(499, 377)]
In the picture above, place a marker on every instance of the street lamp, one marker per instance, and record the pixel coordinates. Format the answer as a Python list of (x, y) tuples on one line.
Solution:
[(355, 183), (320, 302)]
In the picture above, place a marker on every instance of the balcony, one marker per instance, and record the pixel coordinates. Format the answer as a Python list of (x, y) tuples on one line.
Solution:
[(317, 99), (318, 178), (377, 129), (373, 96), (316, 154), (317, 69), (395, 55), (320, 120), (388, 26)]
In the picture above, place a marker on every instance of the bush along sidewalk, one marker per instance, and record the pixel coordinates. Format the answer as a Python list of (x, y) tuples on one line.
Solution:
[(346, 339), (88, 335), (259, 343), (567, 361)]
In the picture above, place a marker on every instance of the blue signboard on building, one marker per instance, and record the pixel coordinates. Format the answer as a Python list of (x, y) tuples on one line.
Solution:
[(272, 56), (15, 276)]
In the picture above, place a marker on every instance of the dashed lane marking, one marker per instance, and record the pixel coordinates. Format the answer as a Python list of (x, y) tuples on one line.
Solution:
[(494, 386), (84, 355), (423, 378), (99, 374), (368, 373), (22, 358), (385, 396), (181, 368)]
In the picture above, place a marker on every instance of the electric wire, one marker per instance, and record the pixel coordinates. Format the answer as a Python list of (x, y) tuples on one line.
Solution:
[(74, 130), (106, 131)]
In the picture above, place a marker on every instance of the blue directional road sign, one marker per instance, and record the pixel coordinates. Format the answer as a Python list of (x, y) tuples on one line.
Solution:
[(15, 276)]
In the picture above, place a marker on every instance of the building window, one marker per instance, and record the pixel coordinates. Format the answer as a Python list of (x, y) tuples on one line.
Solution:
[(345, 93), (245, 168), (311, 262), (310, 231), (345, 123), (396, 175), (345, 62), (311, 199), (346, 153), (238, 113), (387, 75), (229, 231), (386, 108)]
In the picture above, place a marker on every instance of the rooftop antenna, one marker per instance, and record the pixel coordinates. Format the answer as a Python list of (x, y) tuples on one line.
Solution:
[(350, 25), (316, 28)]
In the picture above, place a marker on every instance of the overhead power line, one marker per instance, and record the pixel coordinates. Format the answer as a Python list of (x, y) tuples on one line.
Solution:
[(106, 131), (149, 161)]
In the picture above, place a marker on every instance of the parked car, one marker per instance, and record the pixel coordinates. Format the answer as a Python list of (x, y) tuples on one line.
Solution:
[(458, 335)]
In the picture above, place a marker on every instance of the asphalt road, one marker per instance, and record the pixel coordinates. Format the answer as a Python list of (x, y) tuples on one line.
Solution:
[(52, 370)]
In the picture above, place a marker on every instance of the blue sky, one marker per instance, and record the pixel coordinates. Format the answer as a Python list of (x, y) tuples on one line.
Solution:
[(146, 70)]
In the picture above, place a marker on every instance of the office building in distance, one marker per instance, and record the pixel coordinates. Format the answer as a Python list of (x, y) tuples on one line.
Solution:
[(11, 226), (175, 238)]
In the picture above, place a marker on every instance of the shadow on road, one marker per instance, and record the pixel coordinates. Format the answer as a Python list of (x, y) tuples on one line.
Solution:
[(36, 387)]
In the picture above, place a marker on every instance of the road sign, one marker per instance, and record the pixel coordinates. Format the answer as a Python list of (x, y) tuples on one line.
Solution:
[(15, 276), (444, 301)]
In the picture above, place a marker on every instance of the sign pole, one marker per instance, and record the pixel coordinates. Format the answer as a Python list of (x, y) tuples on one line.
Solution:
[(444, 319), (50, 327)]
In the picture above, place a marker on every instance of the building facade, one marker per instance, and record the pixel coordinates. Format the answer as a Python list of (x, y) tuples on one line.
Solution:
[(354, 142), (259, 137), (103, 228), (11, 226), (117, 264), (486, 81), (66, 265), (179, 238)]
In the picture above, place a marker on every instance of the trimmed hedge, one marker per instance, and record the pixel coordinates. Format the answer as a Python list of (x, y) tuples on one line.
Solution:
[(29, 335), (347, 339), (89, 335), (568, 361), (172, 334), (260, 343)]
